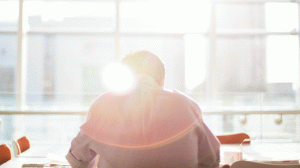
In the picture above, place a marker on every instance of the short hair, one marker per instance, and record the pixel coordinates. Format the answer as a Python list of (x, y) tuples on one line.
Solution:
[(145, 62)]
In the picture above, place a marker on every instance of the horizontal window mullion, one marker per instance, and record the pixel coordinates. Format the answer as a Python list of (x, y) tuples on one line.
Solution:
[(26, 112), (255, 34), (254, 1), (159, 34)]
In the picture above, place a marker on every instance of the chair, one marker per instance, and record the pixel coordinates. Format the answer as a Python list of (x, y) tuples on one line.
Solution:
[(233, 138), (5, 153), (249, 164), (21, 145)]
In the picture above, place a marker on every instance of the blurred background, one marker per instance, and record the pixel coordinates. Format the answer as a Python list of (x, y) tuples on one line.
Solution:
[(238, 59)]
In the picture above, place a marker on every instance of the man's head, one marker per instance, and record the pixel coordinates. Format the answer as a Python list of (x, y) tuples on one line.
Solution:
[(146, 63)]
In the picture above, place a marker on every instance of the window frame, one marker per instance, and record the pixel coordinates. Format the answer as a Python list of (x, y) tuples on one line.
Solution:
[(212, 34)]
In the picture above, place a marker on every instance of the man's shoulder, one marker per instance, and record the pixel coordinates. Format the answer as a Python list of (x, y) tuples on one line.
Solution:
[(176, 93), (177, 96), (107, 97)]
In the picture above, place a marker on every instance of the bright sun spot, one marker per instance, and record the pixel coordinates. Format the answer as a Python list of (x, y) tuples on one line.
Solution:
[(118, 78)]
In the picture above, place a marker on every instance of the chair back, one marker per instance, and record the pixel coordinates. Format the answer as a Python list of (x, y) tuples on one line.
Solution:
[(233, 138), (5, 153), (250, 164), (24, 143), (16, 148)]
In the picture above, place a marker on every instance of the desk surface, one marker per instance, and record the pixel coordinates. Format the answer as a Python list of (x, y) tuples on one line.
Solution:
[(262, 152), (266, 151), (40, 154), (255, 151)]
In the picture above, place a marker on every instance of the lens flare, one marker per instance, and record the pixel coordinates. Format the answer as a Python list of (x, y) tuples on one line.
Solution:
[(118, 78)]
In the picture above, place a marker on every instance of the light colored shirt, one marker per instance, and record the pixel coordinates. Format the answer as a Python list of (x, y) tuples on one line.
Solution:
[(171, 133)]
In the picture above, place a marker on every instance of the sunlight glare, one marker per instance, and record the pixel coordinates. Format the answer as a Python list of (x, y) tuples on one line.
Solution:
[(195, 60), (118, 78)]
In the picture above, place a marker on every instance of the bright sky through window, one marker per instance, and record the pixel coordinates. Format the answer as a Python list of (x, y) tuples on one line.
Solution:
[(195, 61), (9, 11), (164, 16), (282, 52), (68, 9), (118, 78), (281, 16), (282, 59), (176, 16)]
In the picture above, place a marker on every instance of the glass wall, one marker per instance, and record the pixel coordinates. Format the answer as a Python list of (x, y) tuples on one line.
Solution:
[(8, 53), (229, 56), (63, 128)]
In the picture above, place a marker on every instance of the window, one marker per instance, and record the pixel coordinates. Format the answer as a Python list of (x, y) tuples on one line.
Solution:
[(164, 16), (229, 56), (8, 53)]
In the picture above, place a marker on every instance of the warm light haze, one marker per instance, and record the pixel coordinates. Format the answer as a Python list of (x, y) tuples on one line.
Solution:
[(118, 78)]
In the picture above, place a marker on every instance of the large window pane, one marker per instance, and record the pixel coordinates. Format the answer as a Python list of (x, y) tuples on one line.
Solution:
[(9, 14), (239, 101), (8, 71), (239, 70), (38, 128), (241, 64), (269, 127), (64, 70), (240, 16), (62, 128), (282, 59), (71, 15), (164, 16), (281, 16), (286, 129), (227, 124), (282, 53), (196, 50)]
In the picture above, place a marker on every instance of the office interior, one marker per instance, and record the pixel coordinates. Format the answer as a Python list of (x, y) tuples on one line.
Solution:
[(238, 59)]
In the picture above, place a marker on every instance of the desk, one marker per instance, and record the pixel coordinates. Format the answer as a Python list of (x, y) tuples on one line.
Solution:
[(17, 162), (255, 151), (260, 151), (42, 150), (38, 153)]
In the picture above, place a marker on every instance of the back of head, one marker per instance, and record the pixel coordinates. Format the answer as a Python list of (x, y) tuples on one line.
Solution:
[(146, 63)]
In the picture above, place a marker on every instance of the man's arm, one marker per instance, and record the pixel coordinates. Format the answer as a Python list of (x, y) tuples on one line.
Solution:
[(80, 154), (208, 147)]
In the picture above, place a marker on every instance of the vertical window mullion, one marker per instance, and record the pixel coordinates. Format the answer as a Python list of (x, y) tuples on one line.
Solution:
[(21, 59), (297, 138), (298, 34), (211, 86), (117, 30)]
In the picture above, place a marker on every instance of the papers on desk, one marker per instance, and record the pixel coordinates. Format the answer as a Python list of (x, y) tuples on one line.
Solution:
[(283, 162), (273, 153), (55, 161), (45, 166), (32, 165), (231, 157), (277, 156)]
